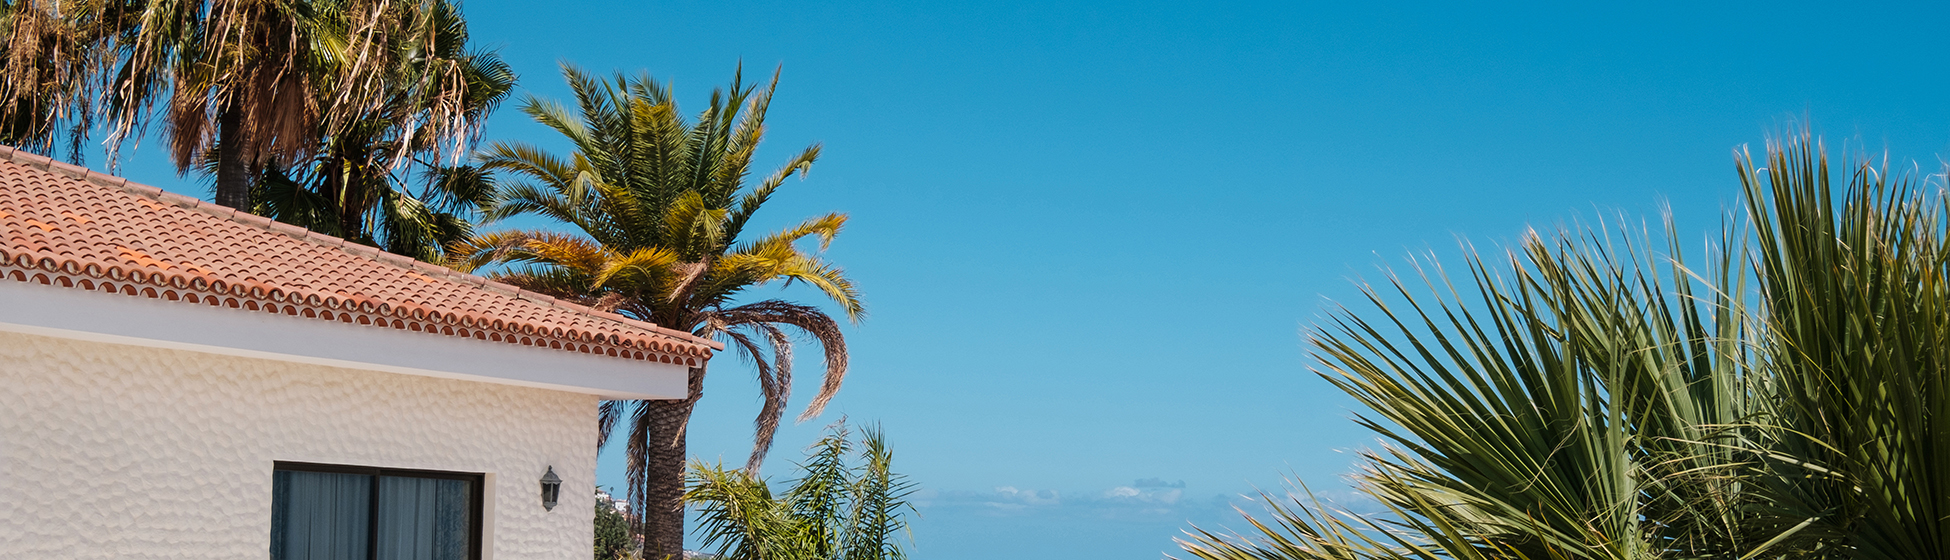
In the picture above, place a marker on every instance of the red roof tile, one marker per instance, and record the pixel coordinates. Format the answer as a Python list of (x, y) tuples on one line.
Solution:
[(68, 226)]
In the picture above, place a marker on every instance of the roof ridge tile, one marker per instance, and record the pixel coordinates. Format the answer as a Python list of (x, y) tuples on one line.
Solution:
[(253, 220), (76, 171), (32, 159), (431, 268), (493, 284), (109, 180), (288, 229)]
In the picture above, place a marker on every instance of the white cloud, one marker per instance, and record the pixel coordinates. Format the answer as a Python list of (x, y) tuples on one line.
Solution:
[(1141, 499)]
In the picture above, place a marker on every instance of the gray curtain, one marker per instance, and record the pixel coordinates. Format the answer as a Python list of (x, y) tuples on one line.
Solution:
[(320, 516), (423, 518)]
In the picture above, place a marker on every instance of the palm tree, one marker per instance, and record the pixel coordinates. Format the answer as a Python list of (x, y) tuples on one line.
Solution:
[(49, 64), (263, 82), (1789, 400), (835, 511), (1857, 291), (1573, 409), (357, 187), (661, 206)]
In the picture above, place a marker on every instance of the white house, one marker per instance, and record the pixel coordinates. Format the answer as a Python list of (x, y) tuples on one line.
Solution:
[(178, 380)]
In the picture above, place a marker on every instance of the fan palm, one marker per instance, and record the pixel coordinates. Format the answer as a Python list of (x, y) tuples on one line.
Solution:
[(1796, 407), (660, 206), (1857, 287), (263, 82), (1571, 411), (835, 511), (1582, 403), (357, 187), (49, 64)]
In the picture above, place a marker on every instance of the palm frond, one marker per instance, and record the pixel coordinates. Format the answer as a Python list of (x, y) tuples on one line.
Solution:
[(810, 321), (848, 504), (1597, 399)]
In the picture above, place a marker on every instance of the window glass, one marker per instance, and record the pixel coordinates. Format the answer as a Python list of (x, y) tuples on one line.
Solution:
[(423, 518), (320, 516), (331, 512)]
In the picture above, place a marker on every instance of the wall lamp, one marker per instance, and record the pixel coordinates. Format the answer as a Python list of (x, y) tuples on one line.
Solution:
[(551, 489)]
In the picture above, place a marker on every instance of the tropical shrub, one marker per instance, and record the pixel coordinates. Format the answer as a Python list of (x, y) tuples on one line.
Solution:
[(848, 504), (1592, 398), (613, 538)]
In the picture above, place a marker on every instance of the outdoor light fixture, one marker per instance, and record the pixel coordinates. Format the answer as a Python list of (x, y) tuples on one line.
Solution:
[(551, 489)]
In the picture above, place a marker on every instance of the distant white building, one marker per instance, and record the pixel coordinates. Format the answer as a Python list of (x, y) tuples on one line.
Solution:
[(621, 506)]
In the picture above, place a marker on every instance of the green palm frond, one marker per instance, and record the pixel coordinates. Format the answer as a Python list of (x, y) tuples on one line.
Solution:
[(877, 519), (527, 247), (1309, 529), (526, 159), (1560, 402), (1857, 288), (750, 202), (652, 268), (346, 105), (1596, 399), (848, 504), (740, 515), (458, 190), (693, 227)]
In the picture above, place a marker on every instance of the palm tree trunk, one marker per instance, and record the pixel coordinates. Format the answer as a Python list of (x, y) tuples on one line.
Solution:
[(662, 490), (233, 173)]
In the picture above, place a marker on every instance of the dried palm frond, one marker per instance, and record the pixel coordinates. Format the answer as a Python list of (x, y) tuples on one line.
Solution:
[(48, 85)]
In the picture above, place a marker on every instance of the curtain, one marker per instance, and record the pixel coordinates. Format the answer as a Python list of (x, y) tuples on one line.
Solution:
[(423, 518), (320, 516)]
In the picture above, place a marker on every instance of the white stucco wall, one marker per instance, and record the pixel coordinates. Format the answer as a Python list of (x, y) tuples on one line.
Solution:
[(126, 452)]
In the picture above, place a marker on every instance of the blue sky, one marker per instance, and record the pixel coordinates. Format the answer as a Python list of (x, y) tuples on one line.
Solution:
[(1091, 235)]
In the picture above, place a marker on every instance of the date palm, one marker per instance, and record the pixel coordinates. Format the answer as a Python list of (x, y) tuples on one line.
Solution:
[(359, 186), (660, 207)]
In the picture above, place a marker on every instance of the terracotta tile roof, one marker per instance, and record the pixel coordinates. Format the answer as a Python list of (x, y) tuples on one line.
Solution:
[(68, 226)]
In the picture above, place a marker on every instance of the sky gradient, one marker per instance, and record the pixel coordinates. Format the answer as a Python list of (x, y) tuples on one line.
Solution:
[(1092, 235)]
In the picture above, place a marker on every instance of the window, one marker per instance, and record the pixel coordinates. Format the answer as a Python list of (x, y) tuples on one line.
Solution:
[(336, 512)]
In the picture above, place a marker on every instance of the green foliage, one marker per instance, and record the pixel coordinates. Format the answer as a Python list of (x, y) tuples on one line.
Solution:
[(833, 511), (1594, 399), (333, 95), (48, 66), (1857, 297), (613, 540), (293, 72), (359, 186)]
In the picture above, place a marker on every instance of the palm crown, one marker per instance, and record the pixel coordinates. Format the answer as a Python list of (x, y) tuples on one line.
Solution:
[(357, 186), (661, 206)]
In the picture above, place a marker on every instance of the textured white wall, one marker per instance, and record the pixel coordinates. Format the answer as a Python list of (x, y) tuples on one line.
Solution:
[(113, 451)]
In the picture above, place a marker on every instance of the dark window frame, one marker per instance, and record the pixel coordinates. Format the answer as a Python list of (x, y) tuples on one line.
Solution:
[(476, 509)]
